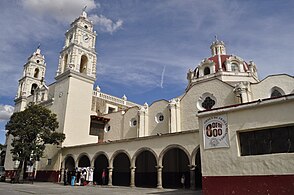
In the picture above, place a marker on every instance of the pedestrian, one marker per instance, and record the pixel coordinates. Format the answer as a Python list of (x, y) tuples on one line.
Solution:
[(103, 177), (65, 176), (183, 181)]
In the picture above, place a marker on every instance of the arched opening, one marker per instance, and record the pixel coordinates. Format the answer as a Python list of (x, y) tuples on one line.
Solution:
[(84, 161), (198, 174), (69, 169), (277, 92), (33, 88), (70, 163), (83, 64), (121, 170), (146, 173), (206, 70), (235, 67), (36, 74), (64, 62), (101, 164), (175, 165)]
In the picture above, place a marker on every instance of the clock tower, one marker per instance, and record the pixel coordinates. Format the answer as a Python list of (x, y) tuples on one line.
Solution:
[(78, 53), (75, 77)]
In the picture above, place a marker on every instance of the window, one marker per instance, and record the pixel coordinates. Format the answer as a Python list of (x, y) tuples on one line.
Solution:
[(83, 64), (206, 70), (133, 122), (159, 118), (49, 161), (36, 74), (107, 128), (208, 103), (268, 141), (276, 94), (235, 67), (111, 110), (33, 88)]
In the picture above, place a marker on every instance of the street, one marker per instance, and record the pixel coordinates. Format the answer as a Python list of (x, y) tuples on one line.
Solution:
[(53, 188)]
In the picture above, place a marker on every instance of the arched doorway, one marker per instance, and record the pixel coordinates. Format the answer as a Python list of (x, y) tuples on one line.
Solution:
[(70, 163), (121, 170), (146, 173), (69, 170), (100, 164), (84, 161), (198, 174), (175, 165)]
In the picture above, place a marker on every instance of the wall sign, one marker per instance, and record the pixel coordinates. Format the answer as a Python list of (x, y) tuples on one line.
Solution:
[(215, 132)]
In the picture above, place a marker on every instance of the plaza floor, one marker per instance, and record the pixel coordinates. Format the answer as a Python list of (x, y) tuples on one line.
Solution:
[(47, 188)]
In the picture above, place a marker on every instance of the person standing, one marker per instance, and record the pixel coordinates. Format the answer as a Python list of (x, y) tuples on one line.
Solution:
[(183, 181), (103, 177), (65, 176)]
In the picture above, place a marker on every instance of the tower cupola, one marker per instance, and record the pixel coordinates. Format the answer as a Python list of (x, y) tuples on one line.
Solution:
[(218, 47)]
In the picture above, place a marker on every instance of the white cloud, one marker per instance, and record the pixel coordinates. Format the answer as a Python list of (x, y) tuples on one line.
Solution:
[(62, 11), (106, 24), (5, 112)]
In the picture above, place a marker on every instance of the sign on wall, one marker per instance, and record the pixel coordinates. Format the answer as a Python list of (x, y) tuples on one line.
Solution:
[(215, 132)]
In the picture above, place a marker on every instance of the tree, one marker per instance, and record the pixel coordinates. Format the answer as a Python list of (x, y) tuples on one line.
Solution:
[(32, 129)]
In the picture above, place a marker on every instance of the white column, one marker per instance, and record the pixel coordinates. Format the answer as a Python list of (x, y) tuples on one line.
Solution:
[(143, 121), (110, 169), (175, 120), (159, 176), (132, 184)]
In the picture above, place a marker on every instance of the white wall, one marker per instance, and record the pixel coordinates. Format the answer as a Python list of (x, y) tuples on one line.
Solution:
[(228, 161), (222, 91)]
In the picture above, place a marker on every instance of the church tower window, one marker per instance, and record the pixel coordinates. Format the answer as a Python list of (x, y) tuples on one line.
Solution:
[(33, 88), (206, 70), (83, 64), (64, 62), (36, 74)]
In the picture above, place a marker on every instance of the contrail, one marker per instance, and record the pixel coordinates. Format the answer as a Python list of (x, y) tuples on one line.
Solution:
[(162, 75)]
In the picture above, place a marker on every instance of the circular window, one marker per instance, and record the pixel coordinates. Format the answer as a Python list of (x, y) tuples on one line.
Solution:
[(133, 122), (107, 128), (159, 118), (86, 26), (38, 61)]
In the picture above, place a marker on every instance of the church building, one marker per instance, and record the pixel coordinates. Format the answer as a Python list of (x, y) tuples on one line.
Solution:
[(229, 132)]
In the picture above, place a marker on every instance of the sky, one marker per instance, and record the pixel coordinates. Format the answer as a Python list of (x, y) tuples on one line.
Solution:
[(145, 48)]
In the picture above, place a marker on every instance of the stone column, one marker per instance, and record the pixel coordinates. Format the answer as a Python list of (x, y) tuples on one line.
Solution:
[(132, 184), (159, 176), (175, 122), (110, 169), (192, 177)]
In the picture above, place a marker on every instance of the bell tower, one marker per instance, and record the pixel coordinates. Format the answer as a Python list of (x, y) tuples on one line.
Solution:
[(78, 53), (33, 76), (75, 77)]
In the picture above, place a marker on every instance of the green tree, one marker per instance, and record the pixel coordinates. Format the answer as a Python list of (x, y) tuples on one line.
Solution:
[(32, 129)]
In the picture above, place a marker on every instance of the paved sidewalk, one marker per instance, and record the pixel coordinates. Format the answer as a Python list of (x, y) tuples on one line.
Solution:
[(46, 188)]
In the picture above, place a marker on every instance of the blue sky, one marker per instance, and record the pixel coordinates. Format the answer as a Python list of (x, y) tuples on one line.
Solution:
[(137, 39)]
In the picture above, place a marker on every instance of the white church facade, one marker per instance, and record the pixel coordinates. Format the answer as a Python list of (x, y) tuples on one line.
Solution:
[(228, 132)]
